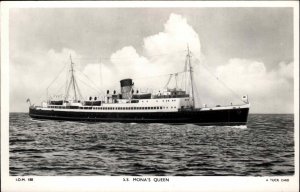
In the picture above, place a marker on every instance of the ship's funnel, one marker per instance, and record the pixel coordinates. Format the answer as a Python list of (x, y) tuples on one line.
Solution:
[(126, 87)]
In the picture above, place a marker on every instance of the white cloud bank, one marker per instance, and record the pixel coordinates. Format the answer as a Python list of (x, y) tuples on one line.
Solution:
[(269, 91)]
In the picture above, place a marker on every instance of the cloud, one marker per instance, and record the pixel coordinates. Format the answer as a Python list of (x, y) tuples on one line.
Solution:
[(162, 53), (268, 90), (33, 72), (176, 36)]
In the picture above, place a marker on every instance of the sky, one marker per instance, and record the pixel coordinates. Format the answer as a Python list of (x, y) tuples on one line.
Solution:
[(235, 52)]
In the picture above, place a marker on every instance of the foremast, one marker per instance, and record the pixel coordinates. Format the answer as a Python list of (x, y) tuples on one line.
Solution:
[(73, 84)]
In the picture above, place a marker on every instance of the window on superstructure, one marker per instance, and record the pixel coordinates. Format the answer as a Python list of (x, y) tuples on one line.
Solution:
[(151, 107), (160, 107)]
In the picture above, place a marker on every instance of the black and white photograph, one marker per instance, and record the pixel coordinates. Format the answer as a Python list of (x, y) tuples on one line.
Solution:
[(144, 94)]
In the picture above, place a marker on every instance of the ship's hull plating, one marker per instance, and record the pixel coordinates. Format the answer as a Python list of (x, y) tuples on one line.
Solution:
[(237, 116)]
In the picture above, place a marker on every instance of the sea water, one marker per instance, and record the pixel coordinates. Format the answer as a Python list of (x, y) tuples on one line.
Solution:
[(265, 147)]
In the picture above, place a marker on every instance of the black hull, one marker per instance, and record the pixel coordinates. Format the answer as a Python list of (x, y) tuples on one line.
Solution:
[(237, 116)]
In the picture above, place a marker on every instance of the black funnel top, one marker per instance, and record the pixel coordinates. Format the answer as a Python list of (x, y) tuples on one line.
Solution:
[(126, 82)]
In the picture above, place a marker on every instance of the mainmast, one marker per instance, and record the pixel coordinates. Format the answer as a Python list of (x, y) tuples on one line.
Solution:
[(72, 82), (191, 74), (72, 71)]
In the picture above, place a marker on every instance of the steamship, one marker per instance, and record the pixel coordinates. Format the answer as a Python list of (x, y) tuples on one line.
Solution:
[(170, 106)]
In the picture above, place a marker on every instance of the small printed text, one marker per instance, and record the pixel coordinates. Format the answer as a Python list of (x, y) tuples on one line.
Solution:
[(146, 179)]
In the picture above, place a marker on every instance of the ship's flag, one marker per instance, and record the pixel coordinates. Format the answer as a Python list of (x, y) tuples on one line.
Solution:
[(28, 101), (245, 98)]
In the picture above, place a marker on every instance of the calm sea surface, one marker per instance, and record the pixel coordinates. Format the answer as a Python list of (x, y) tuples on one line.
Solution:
[(47, 148)]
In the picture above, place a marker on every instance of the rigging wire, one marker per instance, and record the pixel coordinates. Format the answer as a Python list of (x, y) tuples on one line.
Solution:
[(127, 58), (90, 86), (80, 95), (161, 75), (57, 76), (60, 88), (95, 86), (217, 78), (166, 86)]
